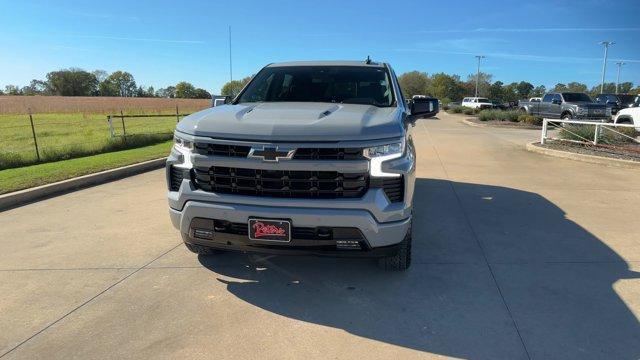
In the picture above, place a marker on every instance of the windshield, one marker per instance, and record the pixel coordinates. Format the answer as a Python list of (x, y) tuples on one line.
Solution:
[(576, 97), (333, 84), (626, 99), (483, 100)]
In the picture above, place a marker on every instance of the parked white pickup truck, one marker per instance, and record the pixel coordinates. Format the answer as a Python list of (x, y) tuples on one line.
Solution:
[(628, 116), (477, 103)]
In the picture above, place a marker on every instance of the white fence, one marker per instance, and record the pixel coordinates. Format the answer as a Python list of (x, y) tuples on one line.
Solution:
[(599, 127)]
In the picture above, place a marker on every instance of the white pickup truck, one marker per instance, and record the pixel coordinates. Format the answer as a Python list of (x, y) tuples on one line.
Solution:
[(477, 103)]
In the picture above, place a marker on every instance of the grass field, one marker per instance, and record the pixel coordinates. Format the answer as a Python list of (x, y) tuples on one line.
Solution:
[(40, 174), (66, 136)]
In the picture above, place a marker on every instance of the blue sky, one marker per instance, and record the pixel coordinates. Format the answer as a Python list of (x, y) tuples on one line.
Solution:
[(162, 42)]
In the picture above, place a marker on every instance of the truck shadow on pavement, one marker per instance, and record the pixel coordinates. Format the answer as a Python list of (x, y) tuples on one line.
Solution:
[(486, 258)]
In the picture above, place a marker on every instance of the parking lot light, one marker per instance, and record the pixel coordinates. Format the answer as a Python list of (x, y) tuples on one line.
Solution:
[(619, 63), (478, 73), (604, 62)]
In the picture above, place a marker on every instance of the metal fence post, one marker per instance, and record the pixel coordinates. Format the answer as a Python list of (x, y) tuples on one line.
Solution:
[(177, 114), (595, 134), (111, 131), (543, 137), (35, 139)]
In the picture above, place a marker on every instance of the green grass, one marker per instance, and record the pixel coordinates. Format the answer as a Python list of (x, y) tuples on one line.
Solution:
[(66, 136), (41, 174)]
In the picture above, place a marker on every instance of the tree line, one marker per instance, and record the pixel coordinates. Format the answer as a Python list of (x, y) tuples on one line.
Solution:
[(78, 82), (449, 88)]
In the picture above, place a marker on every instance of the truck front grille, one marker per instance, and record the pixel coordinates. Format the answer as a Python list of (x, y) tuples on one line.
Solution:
[(300, 154), (281, 183)]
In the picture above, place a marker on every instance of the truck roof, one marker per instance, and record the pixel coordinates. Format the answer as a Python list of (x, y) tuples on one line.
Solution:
[(327, 63)]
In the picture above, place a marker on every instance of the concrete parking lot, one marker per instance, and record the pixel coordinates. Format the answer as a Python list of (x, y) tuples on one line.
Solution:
[(516, 256)]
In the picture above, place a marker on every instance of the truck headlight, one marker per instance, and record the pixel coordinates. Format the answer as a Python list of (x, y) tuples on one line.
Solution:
[(379, 154), (582, 111), (182, 144), (184, 147)]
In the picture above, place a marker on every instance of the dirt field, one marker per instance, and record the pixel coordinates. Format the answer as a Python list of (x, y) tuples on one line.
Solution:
[(95, 105)]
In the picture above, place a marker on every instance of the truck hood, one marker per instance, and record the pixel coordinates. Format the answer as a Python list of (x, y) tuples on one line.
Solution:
[(295, 121)]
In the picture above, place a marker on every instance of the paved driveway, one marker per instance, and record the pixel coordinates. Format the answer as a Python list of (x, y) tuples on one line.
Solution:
[(517, 256)]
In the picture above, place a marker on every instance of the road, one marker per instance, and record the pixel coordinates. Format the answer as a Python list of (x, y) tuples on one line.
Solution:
[(516, 256)]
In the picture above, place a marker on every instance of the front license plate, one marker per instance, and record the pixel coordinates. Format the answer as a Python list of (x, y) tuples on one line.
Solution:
[(269, 230)]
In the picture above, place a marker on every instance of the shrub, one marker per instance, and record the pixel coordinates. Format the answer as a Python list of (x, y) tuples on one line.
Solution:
[(530, 119), (468, 111), (499, 115), (582, 132), (486, 115), (456, 109)]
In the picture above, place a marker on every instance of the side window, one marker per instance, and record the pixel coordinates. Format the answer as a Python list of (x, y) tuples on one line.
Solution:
[(547, 98), (557, 97)]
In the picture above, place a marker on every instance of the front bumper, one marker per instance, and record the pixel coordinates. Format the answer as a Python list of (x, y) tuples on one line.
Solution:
[(383, 224)]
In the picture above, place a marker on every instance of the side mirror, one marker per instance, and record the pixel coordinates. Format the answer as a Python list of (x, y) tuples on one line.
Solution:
[(423, 107), (556, 101)]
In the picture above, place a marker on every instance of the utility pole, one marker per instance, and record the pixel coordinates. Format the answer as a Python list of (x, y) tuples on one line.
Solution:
[(230, 66), (478, 73), (606, 45), (619, 63)]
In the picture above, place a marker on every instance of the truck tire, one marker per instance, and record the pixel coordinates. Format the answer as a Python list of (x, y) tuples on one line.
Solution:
[(402, 260), (201, 250)]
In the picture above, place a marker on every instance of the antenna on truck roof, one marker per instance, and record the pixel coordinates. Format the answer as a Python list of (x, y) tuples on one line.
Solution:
[(368, 61)]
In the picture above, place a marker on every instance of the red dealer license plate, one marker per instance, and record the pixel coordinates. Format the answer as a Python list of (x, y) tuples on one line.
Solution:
[(270, 230)]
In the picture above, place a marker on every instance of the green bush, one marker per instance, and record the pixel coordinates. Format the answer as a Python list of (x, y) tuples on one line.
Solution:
[(457, 109), (530, 119), (582, 132), (498, 115), (468, 111)]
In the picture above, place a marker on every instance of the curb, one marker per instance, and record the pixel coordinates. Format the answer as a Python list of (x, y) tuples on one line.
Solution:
[(23, 197), (471, 123), (629, 164)]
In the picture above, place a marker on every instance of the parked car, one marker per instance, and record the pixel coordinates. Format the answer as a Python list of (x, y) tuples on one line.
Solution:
[(499, 105), (616, 102), (566, 105), (630, 115), (310, 158), (477, 103)]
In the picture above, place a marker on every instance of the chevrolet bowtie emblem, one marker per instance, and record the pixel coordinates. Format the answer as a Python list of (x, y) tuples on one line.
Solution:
[(271, 153)]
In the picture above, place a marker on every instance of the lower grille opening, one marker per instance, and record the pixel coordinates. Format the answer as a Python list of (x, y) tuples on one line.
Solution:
[(342, 237)]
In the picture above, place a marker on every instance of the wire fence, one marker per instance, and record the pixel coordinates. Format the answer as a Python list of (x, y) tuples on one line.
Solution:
[(35, 138)]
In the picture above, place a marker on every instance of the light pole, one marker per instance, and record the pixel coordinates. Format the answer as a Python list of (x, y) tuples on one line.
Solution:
[(478, 73), (619, 63), (604, 62)]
